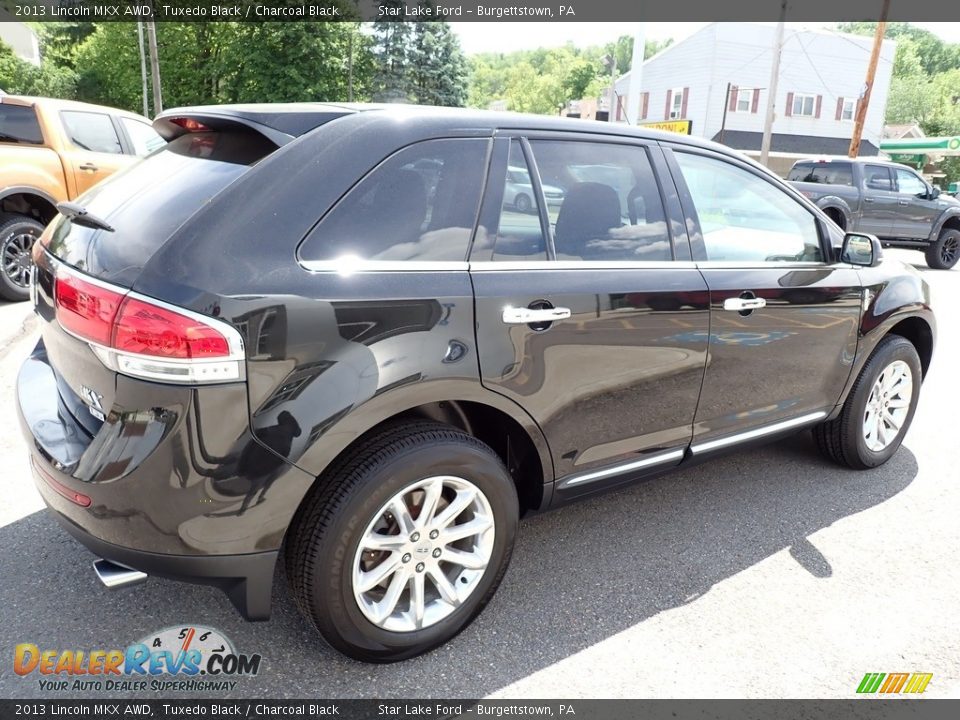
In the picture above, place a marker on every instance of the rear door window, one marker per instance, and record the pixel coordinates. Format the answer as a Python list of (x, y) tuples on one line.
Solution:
[(19, 124), (420, 204), (828, 173), (877, 177), (603, 201), (92, 131)]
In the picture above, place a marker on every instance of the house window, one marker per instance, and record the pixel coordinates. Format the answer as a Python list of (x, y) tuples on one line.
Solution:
[(676, 104), (846, 113), (743, 101), (804, 105)]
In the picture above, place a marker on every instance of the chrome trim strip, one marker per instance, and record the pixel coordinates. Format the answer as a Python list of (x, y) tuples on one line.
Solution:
[(622, 468), (763, 264), (757, 432), (352, 267), (493, 266)]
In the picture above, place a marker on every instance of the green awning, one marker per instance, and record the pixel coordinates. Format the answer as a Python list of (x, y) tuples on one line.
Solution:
[(913, 146)]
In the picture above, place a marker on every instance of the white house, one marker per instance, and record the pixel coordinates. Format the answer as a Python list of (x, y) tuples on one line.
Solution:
[(820, 82), (22, 40)]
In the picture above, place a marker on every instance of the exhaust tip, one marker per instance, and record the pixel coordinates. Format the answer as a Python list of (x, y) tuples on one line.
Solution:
[(115, 575)]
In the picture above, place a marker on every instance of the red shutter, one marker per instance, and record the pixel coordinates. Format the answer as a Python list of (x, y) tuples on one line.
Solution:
[(644, 105), (756, 101), (789, 111), (816, 113), (733, 98), (666, 111), (839, 108), (683, 103)]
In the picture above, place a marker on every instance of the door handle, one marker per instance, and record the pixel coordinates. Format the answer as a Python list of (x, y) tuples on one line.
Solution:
[(739, 304), (867, 199), (526, 316), (904, 202), (89, 167)]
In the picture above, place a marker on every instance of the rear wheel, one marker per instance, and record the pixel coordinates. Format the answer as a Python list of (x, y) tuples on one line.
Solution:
[(404, 543), (944, 253), (878, 410), (522, 203), (17, 235)]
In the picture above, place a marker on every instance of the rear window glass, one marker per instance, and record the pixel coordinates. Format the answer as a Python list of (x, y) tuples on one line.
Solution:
[(420, 204), (828, 173), (20, 125), (147, 202), (144, 138)]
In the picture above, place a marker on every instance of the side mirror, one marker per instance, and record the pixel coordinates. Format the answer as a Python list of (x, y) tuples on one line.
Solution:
[(861, 249), (934, 192)]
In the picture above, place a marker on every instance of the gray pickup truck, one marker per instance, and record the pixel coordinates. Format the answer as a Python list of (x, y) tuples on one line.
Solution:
[(885, 199)]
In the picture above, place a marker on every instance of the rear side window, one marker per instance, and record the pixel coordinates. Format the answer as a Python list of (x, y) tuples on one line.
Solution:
[(603, 201), (877, 177), (144, 138), (92, 131), (420, 204), (20, 125), (829, 173)]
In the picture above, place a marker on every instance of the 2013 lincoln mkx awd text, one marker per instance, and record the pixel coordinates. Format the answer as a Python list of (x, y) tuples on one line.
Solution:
[(331, 329)]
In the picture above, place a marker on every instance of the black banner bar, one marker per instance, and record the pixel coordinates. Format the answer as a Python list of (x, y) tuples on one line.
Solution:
[(874, 709), (468, 10)]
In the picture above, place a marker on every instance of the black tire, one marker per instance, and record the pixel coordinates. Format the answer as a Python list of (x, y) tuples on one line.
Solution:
[(325, 535), (945, 252), (522, 203), (14, 283), (842, 439)]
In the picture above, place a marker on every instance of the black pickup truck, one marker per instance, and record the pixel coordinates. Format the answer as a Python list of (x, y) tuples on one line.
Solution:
[(885, 199)]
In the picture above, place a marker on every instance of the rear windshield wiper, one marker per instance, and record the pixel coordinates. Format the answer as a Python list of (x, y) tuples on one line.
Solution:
[(79, 215)]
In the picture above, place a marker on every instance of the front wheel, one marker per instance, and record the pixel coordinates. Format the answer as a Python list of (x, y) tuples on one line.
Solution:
[(522, 203), (404, 543), (879, 409), (18, 233), (944, 253)]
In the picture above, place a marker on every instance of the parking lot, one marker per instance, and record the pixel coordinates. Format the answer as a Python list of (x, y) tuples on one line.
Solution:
[(765, 574)]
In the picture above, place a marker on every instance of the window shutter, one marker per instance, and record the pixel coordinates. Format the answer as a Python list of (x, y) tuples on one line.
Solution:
[(644, 105), (756, 101), (839, 108), (733, 98), (666, 111), (816, 113), (789, 111), (683, 103)]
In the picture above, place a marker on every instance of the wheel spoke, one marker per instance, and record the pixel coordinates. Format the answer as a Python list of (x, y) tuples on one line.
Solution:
[(467, 529), (400, 512), (431, 498), (370, 579), (417, 601), (386, 543), (897, 403), (457, 506), (890, 420), (447, 592), (468, 560), (385, 607)]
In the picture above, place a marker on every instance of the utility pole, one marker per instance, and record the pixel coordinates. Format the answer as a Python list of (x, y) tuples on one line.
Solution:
[(143, 68), (611, 113), (350, 68), (726, 104), (154, 66), (636, 74), (868, 85), (772, 93)]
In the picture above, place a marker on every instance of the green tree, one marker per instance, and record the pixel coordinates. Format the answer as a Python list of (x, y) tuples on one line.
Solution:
[(391, 50), (19, 77), (438, 68)]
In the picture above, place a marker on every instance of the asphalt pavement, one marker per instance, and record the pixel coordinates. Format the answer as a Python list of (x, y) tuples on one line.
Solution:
[(769, 573)]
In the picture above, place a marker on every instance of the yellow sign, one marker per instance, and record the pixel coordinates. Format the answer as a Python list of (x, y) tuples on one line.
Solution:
[(684, 127)]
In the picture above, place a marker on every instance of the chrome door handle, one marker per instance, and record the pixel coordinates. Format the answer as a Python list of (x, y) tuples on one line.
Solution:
[(740, 304), (868, 199), (904, 202), (526, 316), (90, 167)]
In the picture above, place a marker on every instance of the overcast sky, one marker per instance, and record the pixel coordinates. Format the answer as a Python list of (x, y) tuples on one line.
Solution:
[(508, 36)]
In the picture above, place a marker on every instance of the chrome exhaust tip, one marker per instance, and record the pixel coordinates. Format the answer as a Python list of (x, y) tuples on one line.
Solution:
[(115, 575)]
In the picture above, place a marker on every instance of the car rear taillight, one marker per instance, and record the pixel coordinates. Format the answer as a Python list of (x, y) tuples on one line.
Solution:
[(146, 338), (189, 124)]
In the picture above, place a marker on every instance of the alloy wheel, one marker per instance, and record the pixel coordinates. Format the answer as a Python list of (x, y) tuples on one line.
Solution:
[(17, 259), (887, 406), (423, 554), (949, 250)]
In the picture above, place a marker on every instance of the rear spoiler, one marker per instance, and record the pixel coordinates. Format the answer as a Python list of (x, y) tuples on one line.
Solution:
[(166, 125)]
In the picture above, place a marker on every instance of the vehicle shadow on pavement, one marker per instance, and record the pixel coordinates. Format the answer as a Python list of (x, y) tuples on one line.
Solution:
[(579, 575)]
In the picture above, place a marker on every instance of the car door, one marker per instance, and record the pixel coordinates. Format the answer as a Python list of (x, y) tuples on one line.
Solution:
[(916, 211), (590, 314), (784, 315), (94, 148), (880, 201)]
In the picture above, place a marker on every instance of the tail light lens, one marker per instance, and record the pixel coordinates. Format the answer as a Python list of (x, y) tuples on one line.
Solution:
[(144, 338)]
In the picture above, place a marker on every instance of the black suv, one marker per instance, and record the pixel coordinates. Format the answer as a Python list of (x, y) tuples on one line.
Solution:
[(325, 328)]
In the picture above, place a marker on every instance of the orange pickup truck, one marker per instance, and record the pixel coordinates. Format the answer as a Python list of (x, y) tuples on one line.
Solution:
[(52, 151)]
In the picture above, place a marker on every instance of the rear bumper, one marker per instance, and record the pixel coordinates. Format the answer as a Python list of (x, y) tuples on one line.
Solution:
[(246, 579)]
